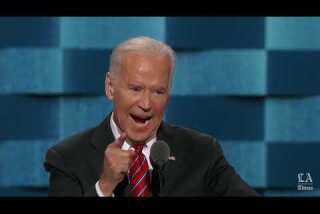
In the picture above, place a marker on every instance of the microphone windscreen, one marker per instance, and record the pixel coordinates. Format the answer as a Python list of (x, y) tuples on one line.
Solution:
[(159, 153)]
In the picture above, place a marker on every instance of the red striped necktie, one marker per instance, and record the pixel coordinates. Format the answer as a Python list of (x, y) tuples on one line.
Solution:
[(139, 177)]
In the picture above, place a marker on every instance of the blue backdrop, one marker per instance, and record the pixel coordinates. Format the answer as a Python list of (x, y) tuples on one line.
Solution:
[(253, 82)]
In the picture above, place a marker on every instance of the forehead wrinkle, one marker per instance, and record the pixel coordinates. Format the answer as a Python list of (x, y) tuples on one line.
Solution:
[(145, 65)]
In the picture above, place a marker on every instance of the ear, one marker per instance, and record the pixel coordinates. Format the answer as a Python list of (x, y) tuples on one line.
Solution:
[(109, 86)]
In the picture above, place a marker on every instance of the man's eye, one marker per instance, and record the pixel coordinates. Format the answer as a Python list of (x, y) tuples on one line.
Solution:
[(136, 89), (160, 92)]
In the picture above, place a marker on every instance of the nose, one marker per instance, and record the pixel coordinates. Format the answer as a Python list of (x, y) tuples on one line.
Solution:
[(145, 102)]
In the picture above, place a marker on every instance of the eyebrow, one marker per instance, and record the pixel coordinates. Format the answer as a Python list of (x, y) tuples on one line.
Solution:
[(162, 88), (134, 85)]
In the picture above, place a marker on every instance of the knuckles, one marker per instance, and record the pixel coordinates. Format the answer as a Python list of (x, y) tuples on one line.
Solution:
[(114, 158)]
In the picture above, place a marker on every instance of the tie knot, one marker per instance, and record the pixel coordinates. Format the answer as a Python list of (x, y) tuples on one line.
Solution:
[(138, 147)]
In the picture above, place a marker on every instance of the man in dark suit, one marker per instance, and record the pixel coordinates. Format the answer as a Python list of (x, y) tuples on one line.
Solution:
[(113, 159)]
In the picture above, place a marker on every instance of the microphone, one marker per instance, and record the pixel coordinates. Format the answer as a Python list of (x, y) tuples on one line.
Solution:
[(159, 155)]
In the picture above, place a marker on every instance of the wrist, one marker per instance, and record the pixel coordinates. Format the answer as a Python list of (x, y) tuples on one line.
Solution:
[(106, 187)]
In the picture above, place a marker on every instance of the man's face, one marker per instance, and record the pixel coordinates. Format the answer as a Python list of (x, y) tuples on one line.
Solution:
[(140, 91)]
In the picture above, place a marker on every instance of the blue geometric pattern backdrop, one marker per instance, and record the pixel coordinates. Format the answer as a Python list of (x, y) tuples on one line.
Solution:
[(253, 82)]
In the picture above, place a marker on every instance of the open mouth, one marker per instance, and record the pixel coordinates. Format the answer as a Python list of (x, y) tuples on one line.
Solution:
[(140, 119)]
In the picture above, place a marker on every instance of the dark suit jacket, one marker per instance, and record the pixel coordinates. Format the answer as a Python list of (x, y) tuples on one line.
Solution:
[(200, 168)]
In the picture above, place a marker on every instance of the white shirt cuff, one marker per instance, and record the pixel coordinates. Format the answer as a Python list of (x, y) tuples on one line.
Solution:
[(99, 192)]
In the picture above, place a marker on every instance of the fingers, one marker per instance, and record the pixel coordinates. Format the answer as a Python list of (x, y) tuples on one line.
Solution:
[(126, 159), (117, 161), (126, 156), (124, 165)]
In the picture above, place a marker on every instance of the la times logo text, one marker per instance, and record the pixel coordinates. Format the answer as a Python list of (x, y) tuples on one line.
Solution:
[(305, 182)]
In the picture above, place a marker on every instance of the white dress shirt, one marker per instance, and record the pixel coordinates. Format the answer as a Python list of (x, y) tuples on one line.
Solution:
[(127, 146)]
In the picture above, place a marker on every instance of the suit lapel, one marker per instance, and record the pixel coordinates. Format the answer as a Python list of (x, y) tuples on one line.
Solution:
[(103, 135)]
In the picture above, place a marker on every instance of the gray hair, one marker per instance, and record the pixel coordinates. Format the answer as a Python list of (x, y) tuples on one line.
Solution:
[(141, 44)]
